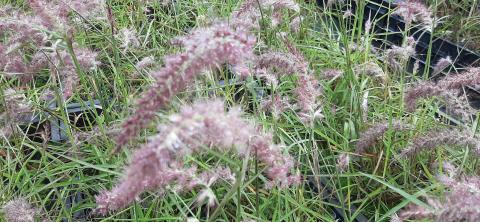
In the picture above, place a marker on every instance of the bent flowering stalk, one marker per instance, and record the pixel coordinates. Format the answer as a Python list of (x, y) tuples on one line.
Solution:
[(414, 11), (204, 48), (423, 89), (195, 129), (460, 203), (451, 137), (427, 89), (307, 89), (469, 77), (372, 135)]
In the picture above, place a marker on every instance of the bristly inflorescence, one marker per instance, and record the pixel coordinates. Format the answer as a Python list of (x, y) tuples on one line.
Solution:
[(414, 11), (457, 105), (249, 14), (442, 64), (20, 210), (18, 109), (460, 203), (427, 89), (373, 134), (203, 48), (198, 127), (434, 139), (397, 56), (34, 40)]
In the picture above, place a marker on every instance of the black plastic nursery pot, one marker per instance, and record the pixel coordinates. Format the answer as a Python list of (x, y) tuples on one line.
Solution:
[(80, 115), (391, 28)]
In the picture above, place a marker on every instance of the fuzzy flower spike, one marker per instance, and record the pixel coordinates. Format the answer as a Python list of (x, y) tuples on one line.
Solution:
[(204, 48), (452, 137), (414, 11), (460, 203), (428, 89), (195, 129)]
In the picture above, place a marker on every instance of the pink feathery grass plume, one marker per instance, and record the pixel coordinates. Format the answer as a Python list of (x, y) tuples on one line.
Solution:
[(423, 89), (20, 210), (204, 48), (194, 130), (460, 203), (307, 89), (343, 161), (373, 134), (276, 105), (371, 69), (62, 62), (54, 14), (397, 56), (17, 110), (128, 38), (295, 24), (17, 106), (249, 13), (280, 63), (434, 139), (469, 77), (145, 63), (27, 34), (331, 74), (414, 11), (457, 105), (442, 64), (428, 89)]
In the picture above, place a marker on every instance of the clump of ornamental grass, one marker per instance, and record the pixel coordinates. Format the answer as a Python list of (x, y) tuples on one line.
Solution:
[(43, 39), (434, 139), (460, 202), (428, 89), (197, 128)]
